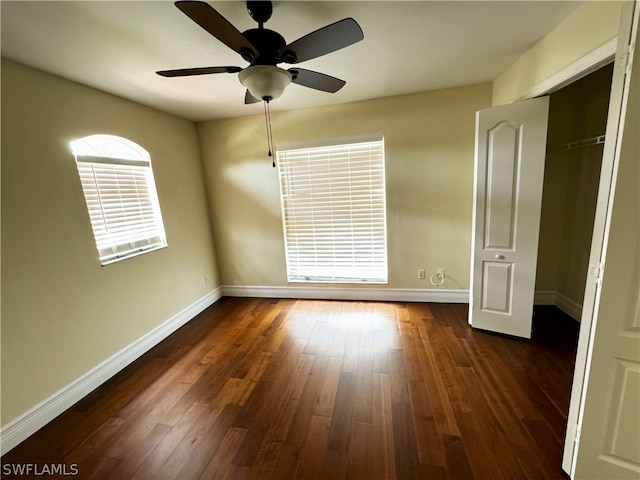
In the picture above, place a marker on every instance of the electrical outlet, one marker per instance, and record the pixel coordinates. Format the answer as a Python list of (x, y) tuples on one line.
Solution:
[(440, 271), (207, 280), (421, 274)]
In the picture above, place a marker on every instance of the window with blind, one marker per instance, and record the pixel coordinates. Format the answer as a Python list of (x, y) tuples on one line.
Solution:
[(119, 190), (334, 215)]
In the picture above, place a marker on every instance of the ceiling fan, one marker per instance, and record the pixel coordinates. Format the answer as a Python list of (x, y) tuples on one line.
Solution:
[(264, 49)]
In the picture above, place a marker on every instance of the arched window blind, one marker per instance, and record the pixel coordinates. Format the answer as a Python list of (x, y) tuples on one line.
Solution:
[(333, 204), (119, 190)]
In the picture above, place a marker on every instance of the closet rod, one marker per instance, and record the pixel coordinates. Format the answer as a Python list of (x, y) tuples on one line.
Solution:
[(580, 143)]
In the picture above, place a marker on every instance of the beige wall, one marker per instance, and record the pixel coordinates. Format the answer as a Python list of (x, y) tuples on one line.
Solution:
[(587, 28), (62, 313), (552, 218), (429, 179)]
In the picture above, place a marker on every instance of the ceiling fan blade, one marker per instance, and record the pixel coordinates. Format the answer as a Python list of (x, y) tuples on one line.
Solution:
[(248, 98), (208, 18), (316, 80), (322, 41), (185, 72)]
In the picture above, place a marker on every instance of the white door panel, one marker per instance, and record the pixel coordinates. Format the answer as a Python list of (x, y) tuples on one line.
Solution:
[(509, 170), (503, 161), (496, 296)]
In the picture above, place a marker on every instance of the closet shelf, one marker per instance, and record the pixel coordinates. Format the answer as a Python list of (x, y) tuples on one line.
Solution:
[(586, 142)]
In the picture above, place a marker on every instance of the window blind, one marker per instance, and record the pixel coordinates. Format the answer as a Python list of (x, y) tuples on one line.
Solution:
[(334, 215), (122, 204)]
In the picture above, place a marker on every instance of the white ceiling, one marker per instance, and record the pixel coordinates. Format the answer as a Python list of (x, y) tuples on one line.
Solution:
[(408, 47)]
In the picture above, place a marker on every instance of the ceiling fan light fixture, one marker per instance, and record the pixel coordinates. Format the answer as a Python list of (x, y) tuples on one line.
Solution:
[(265, 82)]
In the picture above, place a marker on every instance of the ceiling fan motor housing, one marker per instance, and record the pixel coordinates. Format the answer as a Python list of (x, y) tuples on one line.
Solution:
[(270, 43)]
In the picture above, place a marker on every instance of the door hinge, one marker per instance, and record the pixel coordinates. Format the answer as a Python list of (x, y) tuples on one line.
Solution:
[(573, 433), (629, 59), (596, 272)]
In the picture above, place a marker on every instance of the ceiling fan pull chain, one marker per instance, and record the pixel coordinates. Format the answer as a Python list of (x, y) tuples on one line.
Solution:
[(266, 125), (267, 117)]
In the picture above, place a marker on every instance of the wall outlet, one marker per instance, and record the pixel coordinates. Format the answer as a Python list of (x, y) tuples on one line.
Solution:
[(207, 280), (421, 274), (440, 271)]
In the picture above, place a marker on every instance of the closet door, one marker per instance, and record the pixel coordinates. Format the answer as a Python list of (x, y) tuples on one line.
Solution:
[(603, 438), (509, 172)]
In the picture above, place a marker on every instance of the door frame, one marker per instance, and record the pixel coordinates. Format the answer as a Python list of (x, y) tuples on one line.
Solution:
[(612, 51), (589, 63)]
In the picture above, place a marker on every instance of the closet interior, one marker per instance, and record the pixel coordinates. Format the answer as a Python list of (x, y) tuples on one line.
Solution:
[(575, 141)]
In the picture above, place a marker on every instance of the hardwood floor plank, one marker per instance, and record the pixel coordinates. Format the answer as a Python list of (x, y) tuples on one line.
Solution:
[(444, 416), (334, 466), (360, 454), (127, 468), (220, 464), (314, 448), (428, 441), (383, 441), (329, 388), (318, 333), (404, 442), (342, 413), (456, 457), (479, 452), (450, 373), (363, 395), (90, 452), (287, 464), (548, 451), (266, 461), (133, 431), (384, 339), (236, 390), (153, 461), (398, 378), (103, 468), (258, 417), (237, 472), (350, 356), (284, 389), (197, 453)]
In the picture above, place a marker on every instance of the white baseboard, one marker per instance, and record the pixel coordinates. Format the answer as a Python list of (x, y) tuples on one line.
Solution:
[(20, 428), (568, 306), (350, 293), (544, 298)]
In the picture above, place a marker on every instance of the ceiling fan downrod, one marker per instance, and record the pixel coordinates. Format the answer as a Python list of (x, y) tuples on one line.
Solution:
[(260, 11)]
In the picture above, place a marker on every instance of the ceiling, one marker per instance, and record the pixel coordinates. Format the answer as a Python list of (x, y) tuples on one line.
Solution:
[(408, 47)]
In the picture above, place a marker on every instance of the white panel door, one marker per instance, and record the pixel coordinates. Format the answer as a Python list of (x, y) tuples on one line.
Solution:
[(509, 171), (604, 441)]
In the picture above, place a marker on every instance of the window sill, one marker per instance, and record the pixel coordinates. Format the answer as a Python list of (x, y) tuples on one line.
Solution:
[(133, 254)]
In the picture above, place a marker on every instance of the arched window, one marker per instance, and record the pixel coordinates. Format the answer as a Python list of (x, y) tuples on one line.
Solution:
[(120, 192)]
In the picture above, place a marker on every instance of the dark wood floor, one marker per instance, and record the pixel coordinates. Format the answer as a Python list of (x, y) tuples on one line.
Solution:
[(284, 389)]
